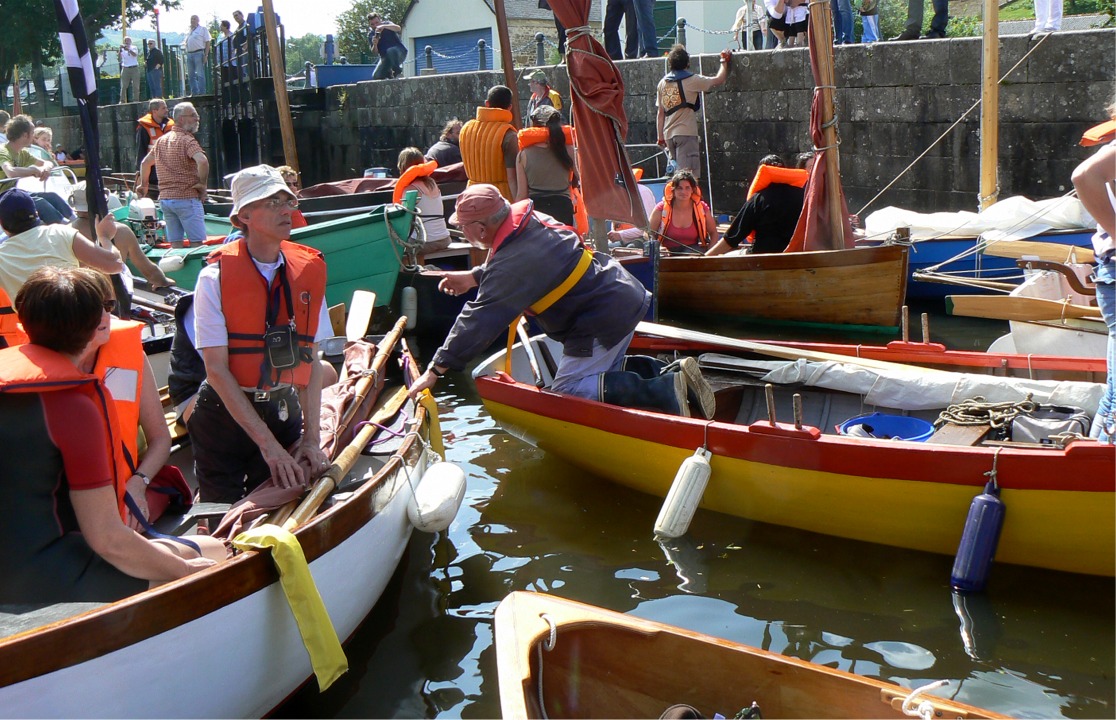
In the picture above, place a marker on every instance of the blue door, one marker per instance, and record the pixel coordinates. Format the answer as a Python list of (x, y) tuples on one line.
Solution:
[(453, 52)]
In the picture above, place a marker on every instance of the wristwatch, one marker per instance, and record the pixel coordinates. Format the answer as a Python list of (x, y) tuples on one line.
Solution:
[(142, 476)]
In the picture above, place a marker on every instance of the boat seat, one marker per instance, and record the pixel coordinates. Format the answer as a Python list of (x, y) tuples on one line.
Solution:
[(965, 435), (455, 249), (15, 619), (179, 523)]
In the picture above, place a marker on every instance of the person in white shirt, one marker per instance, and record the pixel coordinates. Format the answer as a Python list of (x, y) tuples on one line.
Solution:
[(197, 55), (757, 26), (129, 72)]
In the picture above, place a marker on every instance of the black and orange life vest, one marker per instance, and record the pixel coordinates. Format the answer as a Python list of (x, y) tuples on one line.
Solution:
[(154, 129), (481, 143), (246, 299), (11, 332), (773, 175), (120, 367), (30, 368), (674, 98)]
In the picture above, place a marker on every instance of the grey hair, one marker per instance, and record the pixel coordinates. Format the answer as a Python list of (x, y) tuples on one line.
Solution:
[(180, 108)]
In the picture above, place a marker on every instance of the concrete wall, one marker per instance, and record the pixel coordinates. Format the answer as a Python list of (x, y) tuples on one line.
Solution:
[(894, 100)]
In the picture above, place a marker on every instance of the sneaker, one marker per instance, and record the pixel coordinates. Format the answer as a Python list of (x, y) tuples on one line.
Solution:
[(680, 394), (906, 35), (699, 389)]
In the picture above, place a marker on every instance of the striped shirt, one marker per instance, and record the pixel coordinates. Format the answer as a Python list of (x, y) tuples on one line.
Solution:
[(175, 164)]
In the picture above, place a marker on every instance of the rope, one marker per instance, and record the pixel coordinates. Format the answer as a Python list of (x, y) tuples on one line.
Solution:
[(925, 709), (408, 261), (976, 411), (547, 645), (948, 130)]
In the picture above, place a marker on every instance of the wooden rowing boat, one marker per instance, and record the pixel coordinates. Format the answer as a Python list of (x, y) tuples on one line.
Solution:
[(862, 286), (222, 642), (560, 658), (905, 494)]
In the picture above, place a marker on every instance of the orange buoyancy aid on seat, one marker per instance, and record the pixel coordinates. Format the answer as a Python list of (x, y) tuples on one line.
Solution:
[(481, 143), (11, 332), (771, 175), (154, 130), (33, 368), (245, 297), (120, 368), (409, 175)]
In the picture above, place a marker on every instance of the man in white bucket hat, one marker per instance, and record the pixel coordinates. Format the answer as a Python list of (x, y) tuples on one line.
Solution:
[(260, 313)]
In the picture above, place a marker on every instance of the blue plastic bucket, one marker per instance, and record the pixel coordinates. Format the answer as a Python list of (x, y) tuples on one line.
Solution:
[(890, 427)]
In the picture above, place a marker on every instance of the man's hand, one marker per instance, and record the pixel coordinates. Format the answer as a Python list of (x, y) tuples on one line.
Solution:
[(426, 381), (141, 189), (285, 470), (106, 229), (309, 454), (457, 283), (44, 173)]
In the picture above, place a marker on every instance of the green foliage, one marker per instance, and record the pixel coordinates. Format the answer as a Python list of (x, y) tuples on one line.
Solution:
[(969, 26), (307, 48), (893, 17), (352, 25), (29, 33)]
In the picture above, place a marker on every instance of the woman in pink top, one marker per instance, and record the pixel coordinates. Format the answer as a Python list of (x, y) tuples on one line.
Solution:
[(682, 219)]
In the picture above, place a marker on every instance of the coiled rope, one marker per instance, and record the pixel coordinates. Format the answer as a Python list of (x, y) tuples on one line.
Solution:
[(977, 411), (412, 244)]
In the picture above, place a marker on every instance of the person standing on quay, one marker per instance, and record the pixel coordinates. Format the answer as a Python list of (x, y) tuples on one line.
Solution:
[(154, 64), (129, 72), (678, 98), (383, 39), (197, 55)]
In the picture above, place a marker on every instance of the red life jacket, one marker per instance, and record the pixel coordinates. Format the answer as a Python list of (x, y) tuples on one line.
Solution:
[(11, 332), (33, 368), (409, 175), (244, 299)]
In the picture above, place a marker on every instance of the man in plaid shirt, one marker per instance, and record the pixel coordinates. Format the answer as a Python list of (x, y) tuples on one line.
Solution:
[(183, 172)]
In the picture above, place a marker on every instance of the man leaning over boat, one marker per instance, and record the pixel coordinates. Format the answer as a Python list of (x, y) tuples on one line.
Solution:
[(260, 313), (586, 301)]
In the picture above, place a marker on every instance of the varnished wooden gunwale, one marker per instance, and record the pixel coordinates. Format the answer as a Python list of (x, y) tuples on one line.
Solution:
[(106, 629), (605, 664), (862, 286)]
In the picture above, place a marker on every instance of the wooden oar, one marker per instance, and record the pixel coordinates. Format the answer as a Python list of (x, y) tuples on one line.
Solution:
[(360, 313), (366, 383), (1053, 252), (674, 333), (1010, 307), (385, 410)]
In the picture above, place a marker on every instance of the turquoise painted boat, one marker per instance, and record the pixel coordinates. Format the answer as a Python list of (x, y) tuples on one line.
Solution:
[(359, 251)]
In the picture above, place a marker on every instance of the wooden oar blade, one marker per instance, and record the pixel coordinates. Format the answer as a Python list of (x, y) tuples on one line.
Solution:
[(1049, 251), (1010, 307), (360, 314)]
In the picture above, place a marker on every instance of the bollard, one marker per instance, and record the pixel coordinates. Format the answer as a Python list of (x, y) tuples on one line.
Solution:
[(681, 32), (306, 70), (483, 64), (429, 58), (540, 50)]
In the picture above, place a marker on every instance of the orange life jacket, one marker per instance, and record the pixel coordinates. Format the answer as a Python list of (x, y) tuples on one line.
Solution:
[(120, 368), (770, 175), (698, 213), (481, 143), (411, 174), (11, 332), (154, 130), (244, 300), (541, 136), (33, 368)]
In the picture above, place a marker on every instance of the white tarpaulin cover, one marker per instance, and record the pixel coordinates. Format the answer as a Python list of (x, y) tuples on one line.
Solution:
[(1015, 218), (915, 389)]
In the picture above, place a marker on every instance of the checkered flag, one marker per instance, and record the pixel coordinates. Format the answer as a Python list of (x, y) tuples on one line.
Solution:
[(83, 83)]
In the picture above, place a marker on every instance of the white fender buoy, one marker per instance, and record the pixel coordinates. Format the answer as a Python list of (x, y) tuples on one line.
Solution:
[(171, 263), (408, 305), (685, 494), (435, 502)]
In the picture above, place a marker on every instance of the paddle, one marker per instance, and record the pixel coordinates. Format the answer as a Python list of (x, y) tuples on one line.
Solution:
[(1053, 252), (360, 314), (1010, 307), (383, 352), (673, 333), (385, 410)]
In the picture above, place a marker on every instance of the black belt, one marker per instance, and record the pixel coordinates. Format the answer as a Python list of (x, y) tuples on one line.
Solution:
[(191, 52), (266, 396)]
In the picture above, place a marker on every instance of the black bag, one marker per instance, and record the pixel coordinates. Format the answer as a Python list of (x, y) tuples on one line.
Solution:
[(1049, 420)]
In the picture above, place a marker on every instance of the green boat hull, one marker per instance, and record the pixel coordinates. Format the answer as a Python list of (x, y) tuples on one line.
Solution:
[(358, 250)]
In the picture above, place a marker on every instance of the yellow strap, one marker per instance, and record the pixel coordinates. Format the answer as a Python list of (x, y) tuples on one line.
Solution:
[(554, 295), (511, 341), (428, 402), (318, 635)]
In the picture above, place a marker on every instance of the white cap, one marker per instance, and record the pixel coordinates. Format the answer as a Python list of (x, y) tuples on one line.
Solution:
[(256, 183)]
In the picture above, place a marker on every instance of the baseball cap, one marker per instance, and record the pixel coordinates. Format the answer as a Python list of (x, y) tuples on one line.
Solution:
[(538, 76), (17, 209), (258, 182), (477, 202)]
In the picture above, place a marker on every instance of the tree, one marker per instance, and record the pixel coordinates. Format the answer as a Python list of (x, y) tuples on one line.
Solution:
[(29, 33), (352, 25), (300, 51)]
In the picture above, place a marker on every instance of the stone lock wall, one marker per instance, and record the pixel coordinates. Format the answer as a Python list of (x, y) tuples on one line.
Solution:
[(894, 100)]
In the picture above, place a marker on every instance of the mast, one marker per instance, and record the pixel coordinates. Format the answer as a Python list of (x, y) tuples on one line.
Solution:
[(821, 32), (279, 80), (990, 106), (506, 59)]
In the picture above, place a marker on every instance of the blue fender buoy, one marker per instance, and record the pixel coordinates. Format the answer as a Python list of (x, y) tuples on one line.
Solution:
[(979, 540)]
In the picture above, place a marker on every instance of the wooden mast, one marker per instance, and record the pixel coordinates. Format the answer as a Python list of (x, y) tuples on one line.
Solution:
[(821, 33), (506, 59), (990, 106), (279, 79)]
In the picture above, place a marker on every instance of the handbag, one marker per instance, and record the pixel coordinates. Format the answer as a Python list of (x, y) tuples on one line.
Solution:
[(1047, 421)]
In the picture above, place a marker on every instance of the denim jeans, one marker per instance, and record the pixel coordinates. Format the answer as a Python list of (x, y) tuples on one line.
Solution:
[(842, 22), (1104, 425), (155, 83), (645, 22), (52, 208), (390, 64), (184, 219), (871, 24), (195, 72)]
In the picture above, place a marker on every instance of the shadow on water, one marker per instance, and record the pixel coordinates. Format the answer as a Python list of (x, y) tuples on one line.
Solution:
[(1036, 644)]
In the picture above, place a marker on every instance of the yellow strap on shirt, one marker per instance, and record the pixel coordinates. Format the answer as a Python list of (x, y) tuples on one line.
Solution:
[(318, 635), (554, 295)]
